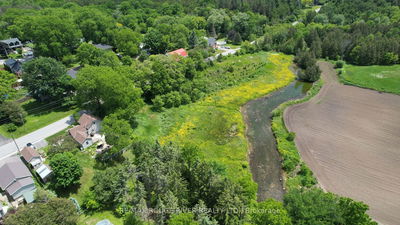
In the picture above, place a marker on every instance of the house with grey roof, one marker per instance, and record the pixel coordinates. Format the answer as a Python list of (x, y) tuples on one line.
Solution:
[(16, 179), (13, 65), (212, 42), (103, 46), (73, 71), (9, 45)]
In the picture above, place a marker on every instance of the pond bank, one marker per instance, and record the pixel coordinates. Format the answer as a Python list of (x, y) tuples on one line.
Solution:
[(265, 161)]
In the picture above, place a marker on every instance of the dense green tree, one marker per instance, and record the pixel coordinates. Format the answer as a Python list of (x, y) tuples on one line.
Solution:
[(12, 112), (95, 25), (46, 79), (132, 219), (6, 81), (109, 186), (88, 54), (193, 40), (155, 41), (66, 170), (118, 131), (54, 36), (316, 207), (55, 211), (311, 74), (182, 219), (269, 212), (104, 90), (127, 41)]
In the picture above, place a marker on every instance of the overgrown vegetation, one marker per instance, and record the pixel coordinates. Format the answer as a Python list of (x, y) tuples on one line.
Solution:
[(298, 173)]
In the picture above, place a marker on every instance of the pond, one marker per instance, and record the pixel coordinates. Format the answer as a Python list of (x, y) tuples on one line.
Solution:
[(265, 161)]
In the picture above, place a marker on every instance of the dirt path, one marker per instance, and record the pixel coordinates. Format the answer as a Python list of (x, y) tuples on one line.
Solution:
[(350, 138)]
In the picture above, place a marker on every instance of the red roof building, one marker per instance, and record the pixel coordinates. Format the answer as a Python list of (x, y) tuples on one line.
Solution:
[(182, 52)]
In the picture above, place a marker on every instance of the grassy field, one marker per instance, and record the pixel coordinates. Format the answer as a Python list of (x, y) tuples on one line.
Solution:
[(215, 123), (39, 115), (381, 78)]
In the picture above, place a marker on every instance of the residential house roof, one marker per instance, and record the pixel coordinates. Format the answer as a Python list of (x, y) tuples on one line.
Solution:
[(79, 133), (14, 174), (211, 41), (72, 72), (43, 171), (103, 46), (11, 41), (28, 153), (182, 52), (86, 120), (15, 66)]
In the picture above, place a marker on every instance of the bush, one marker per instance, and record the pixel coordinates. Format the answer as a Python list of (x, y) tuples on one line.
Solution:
[(68, 60), (89, 201), (11, 127), (311, 74), (291, 136), (158, 104), (12, 112), (339, 64), (66, 170)]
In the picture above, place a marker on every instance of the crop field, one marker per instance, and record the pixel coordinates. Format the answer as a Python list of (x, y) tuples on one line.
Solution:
[(215, 123), (381, 78), (349, 137)]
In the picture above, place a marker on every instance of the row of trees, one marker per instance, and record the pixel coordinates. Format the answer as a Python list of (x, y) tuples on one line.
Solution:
[(58, 31), (360, 43)]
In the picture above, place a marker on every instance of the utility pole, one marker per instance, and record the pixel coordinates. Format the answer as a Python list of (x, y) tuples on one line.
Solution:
[(19, 151)]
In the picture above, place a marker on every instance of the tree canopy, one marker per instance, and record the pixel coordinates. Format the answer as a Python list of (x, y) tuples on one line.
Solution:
[(54, 211), (46, 79), (66, 170), (104, 91)]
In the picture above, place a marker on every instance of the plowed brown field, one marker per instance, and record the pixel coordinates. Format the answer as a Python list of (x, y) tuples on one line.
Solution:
[(350, 138)]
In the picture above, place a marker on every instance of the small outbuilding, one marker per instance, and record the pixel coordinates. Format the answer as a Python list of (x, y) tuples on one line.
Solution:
[(44, 172)]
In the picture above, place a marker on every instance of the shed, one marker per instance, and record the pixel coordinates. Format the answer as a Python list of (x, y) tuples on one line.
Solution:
[(44, 172)]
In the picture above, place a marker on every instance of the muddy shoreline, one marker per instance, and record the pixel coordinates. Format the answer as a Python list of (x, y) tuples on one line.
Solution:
[(264, 158)]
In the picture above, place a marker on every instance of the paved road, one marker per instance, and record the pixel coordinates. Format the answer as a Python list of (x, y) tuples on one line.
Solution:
[(10, 149)]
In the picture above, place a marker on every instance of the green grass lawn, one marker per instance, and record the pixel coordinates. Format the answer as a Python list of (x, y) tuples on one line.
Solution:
[(39, 115), (215, 123), (381, 78)]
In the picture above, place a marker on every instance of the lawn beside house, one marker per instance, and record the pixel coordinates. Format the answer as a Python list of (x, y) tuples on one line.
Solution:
[(39, 115), (380, 78)]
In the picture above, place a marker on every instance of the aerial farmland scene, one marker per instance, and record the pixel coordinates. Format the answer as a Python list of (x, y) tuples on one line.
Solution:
[(199, 112)]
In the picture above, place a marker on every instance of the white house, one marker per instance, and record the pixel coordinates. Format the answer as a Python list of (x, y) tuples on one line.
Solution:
[(88, 127)]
